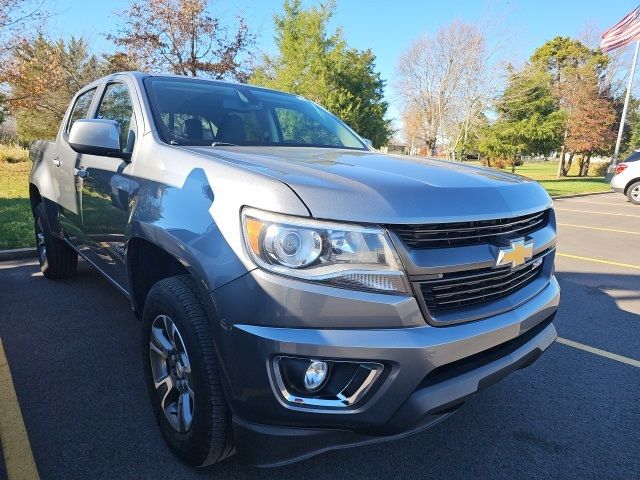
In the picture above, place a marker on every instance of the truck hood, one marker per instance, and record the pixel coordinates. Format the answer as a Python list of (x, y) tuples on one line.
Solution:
[(369, 187)]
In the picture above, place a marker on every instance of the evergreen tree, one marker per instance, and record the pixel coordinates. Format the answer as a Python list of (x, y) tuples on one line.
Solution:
[(569, 63), (528, 120), (321, 67)]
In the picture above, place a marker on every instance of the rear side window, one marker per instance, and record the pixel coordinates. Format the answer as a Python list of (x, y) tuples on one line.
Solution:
[(116, 105), (81, 107)]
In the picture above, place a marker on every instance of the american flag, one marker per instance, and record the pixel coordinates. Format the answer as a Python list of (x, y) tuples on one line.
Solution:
[(622, 33)]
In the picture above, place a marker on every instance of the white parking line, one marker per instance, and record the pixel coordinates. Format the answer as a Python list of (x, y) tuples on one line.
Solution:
[(615, 230), (598, 260), (601, 213), (610, 204), (597, 351)]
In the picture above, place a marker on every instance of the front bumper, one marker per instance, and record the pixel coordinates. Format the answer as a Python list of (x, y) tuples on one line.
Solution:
[(429, 371)]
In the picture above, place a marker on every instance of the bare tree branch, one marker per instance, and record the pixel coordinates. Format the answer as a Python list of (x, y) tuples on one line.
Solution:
[(181, 36), (445, 83)]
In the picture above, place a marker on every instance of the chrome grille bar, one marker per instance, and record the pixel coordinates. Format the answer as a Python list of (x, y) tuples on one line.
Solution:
[(468, 233), (457, 290)]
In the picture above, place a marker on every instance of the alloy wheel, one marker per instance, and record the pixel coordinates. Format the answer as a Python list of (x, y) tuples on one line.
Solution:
[(635, 193), (171, 372), (41, 246)]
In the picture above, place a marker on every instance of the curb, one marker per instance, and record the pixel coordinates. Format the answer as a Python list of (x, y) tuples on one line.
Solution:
[(18, 254), (580, 195)]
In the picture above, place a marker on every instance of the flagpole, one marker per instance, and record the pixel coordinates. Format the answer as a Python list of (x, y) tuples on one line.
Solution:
[(626, 105)]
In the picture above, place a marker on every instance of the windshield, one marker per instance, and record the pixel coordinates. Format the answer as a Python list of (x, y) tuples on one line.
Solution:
[(200, 112)]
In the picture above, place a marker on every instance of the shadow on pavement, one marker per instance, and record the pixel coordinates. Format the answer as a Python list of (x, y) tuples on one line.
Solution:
[(75, 355)]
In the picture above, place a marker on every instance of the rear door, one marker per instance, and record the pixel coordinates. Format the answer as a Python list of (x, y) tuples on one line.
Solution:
[(107, 185)]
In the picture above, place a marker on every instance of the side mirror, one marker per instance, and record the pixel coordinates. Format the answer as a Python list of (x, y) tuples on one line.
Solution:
[(96, 137), (368, 143)]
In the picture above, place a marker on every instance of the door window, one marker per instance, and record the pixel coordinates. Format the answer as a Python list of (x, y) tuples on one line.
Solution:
[(81, 107), (116, 105)]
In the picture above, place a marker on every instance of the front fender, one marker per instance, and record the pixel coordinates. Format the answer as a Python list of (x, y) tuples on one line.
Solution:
[(190, 207)]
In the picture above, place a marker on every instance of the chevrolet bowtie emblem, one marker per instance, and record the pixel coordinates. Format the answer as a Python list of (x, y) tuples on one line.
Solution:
[(516, 254)]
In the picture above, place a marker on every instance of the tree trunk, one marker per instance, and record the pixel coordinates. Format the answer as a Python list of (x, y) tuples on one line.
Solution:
[(431, 148), (580, 164), (561, 170), (585, 166), (567, 166)]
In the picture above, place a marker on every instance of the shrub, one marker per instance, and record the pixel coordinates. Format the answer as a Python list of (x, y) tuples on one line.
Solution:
[(499, 163), (13, 154), (598, 169)]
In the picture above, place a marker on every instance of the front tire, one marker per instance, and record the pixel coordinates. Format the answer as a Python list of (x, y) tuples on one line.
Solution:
[(633, 193), (182, 373), (57, 259)]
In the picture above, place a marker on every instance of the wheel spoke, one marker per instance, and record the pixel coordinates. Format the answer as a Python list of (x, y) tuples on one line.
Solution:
[(184, 360), (191, 393), (185, 415), (170, 329), (167, 381), (159, 343)]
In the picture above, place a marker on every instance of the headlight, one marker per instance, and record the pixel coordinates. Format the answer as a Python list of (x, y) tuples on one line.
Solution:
[(349, 256)]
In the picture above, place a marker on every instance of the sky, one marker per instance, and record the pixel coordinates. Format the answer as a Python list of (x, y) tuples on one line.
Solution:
[(386, 27)]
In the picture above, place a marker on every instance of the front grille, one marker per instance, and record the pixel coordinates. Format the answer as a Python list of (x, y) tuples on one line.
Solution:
[(459, 234), (460, 289)]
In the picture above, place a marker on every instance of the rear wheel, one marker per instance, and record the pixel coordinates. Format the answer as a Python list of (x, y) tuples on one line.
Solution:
[(633, 193), (57, 259), (182, 373)]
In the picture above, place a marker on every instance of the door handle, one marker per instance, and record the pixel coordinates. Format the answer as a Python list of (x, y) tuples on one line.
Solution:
[(81, 172), (56, 162)]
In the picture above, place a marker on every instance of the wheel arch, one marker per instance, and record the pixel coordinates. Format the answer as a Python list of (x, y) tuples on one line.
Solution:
[(147, 264), (34, 197), (50, 208), (629, 183)]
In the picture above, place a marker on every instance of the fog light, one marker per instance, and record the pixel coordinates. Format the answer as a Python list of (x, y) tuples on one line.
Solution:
[(315, 375)]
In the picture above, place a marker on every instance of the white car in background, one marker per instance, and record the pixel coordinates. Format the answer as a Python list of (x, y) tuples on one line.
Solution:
[(627, 178)]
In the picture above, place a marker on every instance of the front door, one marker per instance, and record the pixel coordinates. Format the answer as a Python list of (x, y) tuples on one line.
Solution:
[(106, 186), (65, 161)]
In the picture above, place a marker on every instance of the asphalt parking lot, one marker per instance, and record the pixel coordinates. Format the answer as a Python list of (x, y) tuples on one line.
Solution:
[(73, 349)]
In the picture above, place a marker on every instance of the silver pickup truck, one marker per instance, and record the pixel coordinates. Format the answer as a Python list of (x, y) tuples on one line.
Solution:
[(298, 292)]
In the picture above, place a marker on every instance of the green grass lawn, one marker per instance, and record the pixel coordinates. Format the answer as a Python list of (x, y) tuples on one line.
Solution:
[(545, 173), (16, 223), (571, 186)]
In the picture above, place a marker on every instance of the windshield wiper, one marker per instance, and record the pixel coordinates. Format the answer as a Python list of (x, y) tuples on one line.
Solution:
[(223, 144)]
